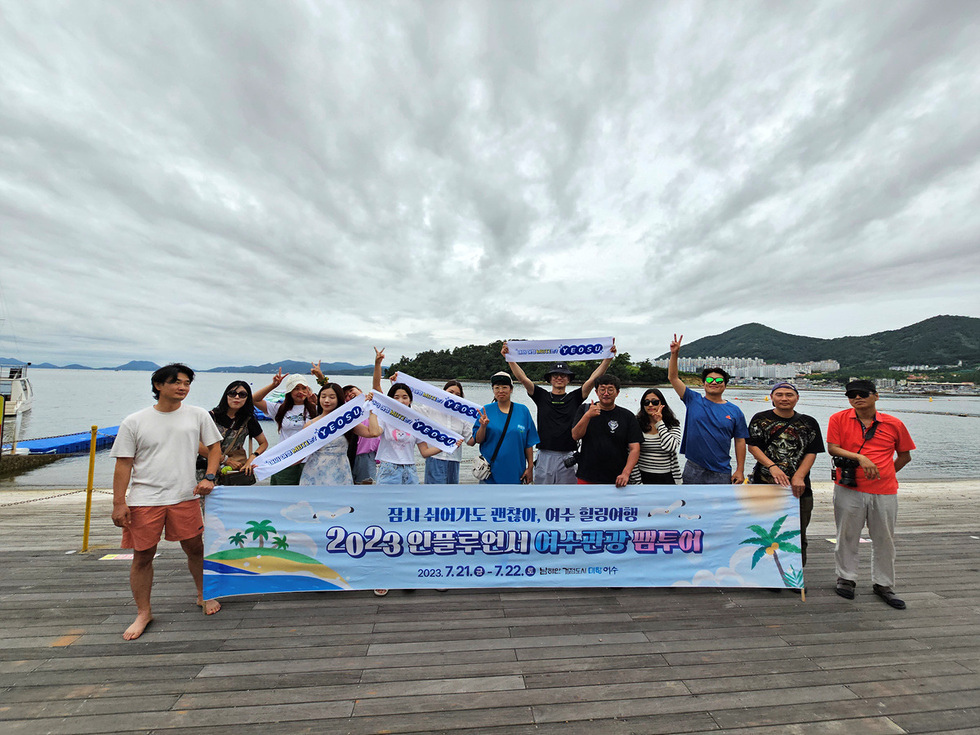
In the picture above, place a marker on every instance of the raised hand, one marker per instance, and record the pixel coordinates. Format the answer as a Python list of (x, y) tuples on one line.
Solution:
[(483, 418), (675, 344), (593, 410), (379, 355), (504, 349), (278, 378), (315, 370)]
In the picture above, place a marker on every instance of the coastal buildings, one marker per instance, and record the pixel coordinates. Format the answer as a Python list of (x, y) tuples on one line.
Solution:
[(753, 367)]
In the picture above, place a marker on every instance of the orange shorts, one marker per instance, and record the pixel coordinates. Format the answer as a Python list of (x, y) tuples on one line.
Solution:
[(182, 521)]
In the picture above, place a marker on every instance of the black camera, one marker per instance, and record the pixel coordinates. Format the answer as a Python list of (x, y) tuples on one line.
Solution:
[(848, 471), (571, 460)]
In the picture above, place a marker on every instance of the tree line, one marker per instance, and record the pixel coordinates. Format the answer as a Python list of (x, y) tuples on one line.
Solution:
[(479, 362)]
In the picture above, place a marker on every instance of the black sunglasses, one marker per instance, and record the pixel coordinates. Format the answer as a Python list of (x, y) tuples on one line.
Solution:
[(858, 393), (237, 394), (651, 402)]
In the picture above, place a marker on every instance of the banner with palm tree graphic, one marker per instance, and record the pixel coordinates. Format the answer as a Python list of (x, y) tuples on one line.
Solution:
[(450, 536)]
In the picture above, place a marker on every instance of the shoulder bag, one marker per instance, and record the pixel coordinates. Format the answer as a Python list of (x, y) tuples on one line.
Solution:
[(482, 469)]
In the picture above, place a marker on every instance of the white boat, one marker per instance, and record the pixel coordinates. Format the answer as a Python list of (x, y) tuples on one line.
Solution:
[(15, 387)]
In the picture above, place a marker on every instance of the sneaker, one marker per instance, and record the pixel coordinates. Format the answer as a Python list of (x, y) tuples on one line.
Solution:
[(889, 596), (845, 588), (381, 593)]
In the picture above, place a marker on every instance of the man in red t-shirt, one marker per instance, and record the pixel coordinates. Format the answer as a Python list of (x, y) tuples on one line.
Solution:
[(876, 446)]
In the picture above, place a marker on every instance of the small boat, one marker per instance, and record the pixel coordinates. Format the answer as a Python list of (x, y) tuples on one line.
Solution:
[(15, 387)]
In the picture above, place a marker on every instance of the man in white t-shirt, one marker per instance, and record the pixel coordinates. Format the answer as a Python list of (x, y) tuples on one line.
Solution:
[(155, 452)]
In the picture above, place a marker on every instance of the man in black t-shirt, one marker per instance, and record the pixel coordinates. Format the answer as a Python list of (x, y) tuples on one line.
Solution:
[(556, 411), (785, 444), (610, 435)]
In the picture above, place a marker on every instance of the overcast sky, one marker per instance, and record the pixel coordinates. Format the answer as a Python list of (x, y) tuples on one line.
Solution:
[(241, 182)]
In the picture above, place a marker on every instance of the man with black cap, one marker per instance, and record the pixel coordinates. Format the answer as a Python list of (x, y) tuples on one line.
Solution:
[(556, 412), (869, 448), (785, 444)]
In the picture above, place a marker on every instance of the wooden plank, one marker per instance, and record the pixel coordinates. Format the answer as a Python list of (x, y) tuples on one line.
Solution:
[(493, 662)]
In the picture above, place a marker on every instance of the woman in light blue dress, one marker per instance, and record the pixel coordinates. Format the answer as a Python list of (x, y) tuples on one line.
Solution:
[(330, 465)]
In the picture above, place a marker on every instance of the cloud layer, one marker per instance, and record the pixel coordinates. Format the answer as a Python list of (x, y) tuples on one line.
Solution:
[(225, 183)]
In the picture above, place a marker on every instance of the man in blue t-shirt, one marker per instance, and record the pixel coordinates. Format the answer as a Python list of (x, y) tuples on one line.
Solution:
[(710, 426)]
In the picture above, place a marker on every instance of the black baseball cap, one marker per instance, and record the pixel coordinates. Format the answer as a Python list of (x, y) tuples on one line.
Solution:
[(865, 385)]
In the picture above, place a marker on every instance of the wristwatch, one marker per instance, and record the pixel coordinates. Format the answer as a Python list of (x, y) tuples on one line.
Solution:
[(209, 477)]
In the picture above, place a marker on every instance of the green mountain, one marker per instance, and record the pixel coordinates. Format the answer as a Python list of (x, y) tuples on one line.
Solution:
[(941, 340)]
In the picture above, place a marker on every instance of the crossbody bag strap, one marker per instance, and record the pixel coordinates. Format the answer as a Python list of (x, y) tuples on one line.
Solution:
[(502, 434), (225, 444)]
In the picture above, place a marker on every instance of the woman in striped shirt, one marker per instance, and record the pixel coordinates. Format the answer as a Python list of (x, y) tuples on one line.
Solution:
[(658, 463)]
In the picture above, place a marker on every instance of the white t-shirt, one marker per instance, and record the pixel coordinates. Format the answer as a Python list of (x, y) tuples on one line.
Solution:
[(462, 427), (292, 421), (163, 446), (397, 447)]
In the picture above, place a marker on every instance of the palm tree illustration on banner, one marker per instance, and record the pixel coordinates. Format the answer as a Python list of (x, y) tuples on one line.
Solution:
[(769, 542), (279, 542), (238, 540), (260, 531)]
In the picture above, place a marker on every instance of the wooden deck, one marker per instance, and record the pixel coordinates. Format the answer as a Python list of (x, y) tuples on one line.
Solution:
[(566, 661)]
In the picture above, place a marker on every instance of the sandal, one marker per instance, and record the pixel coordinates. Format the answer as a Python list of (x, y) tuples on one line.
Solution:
[(845, 588), (381, 593), (889, 596)]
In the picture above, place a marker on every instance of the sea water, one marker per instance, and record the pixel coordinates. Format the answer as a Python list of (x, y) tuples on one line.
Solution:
[(946, 429)]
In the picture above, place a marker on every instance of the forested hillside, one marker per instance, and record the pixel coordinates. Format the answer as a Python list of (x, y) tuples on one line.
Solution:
[(941, 340), (479, 362)]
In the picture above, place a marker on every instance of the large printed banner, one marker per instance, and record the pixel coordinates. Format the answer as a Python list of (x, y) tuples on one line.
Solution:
[(552, 350), (306, 441), (292, 539), (438, 399), (397, 415)]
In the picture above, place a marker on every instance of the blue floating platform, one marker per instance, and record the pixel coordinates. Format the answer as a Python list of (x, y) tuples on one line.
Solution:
[(69, 443)]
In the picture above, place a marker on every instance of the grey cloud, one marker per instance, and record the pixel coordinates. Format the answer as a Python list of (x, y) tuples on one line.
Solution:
[(173, 171)]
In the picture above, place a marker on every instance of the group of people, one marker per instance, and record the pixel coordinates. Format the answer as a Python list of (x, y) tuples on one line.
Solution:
[(156, 486)]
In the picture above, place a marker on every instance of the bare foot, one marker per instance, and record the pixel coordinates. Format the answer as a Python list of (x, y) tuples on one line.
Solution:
[(210, 607), (135, 630)]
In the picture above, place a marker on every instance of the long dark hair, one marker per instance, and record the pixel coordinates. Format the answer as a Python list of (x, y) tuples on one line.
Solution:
[(668, 416), (337, 391), (309, 409), (350, 436), (456, 383), (244, 413)]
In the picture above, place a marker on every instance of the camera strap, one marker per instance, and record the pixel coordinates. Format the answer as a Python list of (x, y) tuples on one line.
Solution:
[(867, 433)]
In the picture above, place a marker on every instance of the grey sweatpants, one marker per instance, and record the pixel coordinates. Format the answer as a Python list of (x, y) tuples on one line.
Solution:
[(852, 510), (550, 469)]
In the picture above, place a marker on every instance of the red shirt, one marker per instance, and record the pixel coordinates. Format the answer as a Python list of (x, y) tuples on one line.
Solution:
[(891, 436)]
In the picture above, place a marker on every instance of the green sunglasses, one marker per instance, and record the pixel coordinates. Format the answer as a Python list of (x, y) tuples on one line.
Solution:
[(708, 381)]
